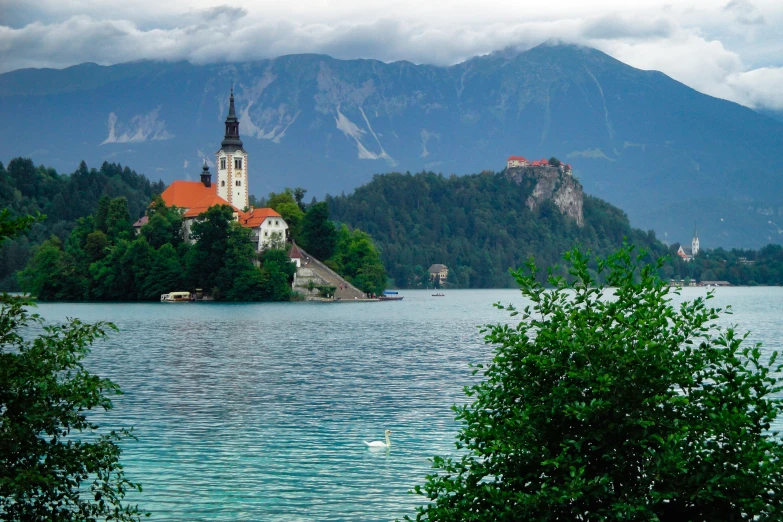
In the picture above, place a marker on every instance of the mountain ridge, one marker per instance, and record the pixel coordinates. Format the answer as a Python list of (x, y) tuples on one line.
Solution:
[(636, 138)]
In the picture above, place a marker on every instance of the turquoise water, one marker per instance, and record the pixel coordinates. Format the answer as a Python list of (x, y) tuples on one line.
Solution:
[(258, 411)]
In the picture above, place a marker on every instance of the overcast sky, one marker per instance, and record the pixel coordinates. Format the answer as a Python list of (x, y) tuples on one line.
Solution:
[(732, 49)]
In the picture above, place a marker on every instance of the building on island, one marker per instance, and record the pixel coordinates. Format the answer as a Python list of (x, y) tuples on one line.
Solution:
[(688, 253), (231, 188), (439, 271)]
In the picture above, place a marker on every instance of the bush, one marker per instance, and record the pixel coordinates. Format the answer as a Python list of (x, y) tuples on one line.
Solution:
[(614, 405)]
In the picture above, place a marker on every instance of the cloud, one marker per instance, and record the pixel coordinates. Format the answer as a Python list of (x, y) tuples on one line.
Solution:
[(758, 88), (140, 128), (615, 26), (695, 43), (744, 12)]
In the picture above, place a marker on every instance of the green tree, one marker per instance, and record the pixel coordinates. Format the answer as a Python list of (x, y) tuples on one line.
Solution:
[(238, 279), (118, 222), (277, 270), (10, 227), (318, 235), (102, 213), (54, 463), (614, 406), (166, 273), (554, 162), (205, 259), (299, 194), (96, 244), (44, 274), (288, 206), (164, 225)]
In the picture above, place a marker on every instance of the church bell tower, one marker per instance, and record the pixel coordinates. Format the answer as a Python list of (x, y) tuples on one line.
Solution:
[(695, 243), (232, 172)]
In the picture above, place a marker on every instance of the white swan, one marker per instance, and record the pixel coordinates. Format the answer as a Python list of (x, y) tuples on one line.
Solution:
[(380, 444)]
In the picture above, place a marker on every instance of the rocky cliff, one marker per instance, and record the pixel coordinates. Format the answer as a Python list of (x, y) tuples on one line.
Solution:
[(551, 183)]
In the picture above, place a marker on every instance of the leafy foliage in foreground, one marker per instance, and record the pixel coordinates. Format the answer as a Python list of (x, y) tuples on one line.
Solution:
[(614, 406), (54, 462)]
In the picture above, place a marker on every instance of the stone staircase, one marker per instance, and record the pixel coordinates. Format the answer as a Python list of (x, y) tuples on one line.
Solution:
[(312, 270)]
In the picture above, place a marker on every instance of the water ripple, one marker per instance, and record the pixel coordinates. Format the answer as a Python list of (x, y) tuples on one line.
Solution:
[(259, 412)]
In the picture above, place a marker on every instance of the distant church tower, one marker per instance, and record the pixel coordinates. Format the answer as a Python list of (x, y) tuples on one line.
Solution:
[(232, 163), (695, 243)]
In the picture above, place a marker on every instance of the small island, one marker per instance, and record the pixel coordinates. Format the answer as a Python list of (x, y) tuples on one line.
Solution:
[(209, 240)]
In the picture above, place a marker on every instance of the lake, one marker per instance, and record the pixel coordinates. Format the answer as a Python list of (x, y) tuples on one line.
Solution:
[(259, 411)]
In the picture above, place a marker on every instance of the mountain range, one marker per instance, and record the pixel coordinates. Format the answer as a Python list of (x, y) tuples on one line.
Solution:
[(671, 157)]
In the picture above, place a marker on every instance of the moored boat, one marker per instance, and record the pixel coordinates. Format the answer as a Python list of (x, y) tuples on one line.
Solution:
[(438, 295), (389, 295), (175, 297)]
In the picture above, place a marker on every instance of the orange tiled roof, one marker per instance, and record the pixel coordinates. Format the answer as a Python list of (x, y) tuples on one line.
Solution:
[(256, 216), (205, 204), (518, 158), (186, 194)]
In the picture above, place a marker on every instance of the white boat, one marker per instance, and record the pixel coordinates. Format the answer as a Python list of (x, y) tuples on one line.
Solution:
[(175, 297), (388, 295)]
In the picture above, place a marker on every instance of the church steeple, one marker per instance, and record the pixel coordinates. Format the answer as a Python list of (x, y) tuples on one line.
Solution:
[(231, 140), (695, 242)]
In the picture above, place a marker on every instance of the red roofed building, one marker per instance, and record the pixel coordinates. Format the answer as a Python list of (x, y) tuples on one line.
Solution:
[(516, 161), (269, 227), (196, 197)]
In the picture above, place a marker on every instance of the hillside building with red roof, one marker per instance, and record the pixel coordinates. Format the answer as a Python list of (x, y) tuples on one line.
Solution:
[(516, 161), (521, 161)]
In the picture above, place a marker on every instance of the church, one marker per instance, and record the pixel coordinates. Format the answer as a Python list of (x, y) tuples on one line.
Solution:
[(687, 254), (230, 188)]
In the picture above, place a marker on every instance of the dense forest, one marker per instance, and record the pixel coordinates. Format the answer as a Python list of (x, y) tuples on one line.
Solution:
[(84, 247), (64, 198), (104, 260), (479, 226)]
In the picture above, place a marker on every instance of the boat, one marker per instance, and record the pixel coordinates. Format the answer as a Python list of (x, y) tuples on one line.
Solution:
[(389, 295), (175, 297), (438, 295)]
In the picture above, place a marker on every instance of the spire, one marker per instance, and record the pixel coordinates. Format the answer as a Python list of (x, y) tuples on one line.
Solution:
[(231, 140), (206, 176), (232, 115)]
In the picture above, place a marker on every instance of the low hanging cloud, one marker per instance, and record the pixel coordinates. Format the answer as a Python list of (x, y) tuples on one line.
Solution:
[(139, 129), (670, 39)]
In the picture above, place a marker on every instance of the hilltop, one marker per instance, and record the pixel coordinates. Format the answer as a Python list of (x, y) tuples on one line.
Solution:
[(481, 225), (668, 155)]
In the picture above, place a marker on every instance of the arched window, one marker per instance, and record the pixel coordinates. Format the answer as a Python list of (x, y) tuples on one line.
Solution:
[(239, 183), (223, 183), (222, 163), (238, 163)]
